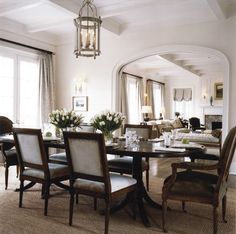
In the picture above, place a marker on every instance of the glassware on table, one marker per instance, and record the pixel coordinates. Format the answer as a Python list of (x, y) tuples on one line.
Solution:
[(167, 138)]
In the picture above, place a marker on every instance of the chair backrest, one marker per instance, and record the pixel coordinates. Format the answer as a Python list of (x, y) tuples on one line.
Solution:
[(227, 154), (195, 122), (6, 127), (30, 148), (144, 131), (86, 128), (86, 157)]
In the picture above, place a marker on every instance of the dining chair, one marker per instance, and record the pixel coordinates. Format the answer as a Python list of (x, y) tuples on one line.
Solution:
[(34, 164), (7, 150), (198, 184), (89, 175), (61, 157), (124, 164)]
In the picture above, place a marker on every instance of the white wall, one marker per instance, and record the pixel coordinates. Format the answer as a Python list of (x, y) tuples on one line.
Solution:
[(217, 35)]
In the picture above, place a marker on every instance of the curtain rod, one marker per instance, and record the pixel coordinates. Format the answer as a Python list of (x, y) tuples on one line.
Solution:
[(133, 75), (27, 46), (156, 81)]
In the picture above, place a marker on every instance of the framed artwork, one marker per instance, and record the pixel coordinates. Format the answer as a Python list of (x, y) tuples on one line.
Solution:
[(218, 91), (80, 103)]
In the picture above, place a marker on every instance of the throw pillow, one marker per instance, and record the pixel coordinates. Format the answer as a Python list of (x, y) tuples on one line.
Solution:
[(177, 123), (216, 133)]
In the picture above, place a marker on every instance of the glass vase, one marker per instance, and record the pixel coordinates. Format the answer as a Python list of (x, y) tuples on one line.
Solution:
[(59, 132), (108, 137)]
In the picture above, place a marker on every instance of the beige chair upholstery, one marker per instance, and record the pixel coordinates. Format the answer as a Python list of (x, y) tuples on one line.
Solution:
[(61, 157), (34, 164), (89, 171)]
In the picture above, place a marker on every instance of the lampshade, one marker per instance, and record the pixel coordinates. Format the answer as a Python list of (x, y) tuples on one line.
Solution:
[(87, 31), (146, 109)]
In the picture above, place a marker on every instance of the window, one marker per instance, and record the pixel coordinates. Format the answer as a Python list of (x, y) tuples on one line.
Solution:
[(134, 100), (183, 102), (157, 100), (19, 87)]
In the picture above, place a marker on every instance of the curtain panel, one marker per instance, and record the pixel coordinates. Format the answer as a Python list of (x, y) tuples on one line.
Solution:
[(150, 98), (182, 95), (46, 86)]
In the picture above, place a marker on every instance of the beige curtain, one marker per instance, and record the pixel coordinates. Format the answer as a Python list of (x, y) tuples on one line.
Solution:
[(124, 99), (46, 86), (150, 98)]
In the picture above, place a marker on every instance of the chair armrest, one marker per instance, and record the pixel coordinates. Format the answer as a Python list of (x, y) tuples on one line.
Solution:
[(193, 166), (205, 156)]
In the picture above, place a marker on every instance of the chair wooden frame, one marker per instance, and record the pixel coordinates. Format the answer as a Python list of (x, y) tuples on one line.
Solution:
[(47, 180), (119, 169), (220, 190), (107, 195), (6, 128)]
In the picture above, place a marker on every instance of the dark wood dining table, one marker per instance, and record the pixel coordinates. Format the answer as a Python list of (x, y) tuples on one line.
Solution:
[(138, 151)]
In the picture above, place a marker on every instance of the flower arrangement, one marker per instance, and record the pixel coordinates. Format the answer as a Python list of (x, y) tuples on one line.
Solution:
[(64, 119), (108, 121)]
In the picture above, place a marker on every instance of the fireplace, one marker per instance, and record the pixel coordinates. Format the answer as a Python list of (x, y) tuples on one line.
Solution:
[(213, 121)]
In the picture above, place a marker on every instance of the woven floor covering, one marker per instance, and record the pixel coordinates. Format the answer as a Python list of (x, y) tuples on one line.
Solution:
[(30, 218)]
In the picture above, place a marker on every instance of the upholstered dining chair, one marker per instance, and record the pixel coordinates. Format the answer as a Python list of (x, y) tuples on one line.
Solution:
[(34, 164), (89, 175), (195, 124), (61, 157), (124, 164), (197, 184), (7, 150)]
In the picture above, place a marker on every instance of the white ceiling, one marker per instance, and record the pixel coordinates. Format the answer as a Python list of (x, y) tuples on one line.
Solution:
[(55, 18)]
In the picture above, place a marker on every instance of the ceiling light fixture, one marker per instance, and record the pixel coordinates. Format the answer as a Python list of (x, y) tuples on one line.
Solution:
[(87, 31)]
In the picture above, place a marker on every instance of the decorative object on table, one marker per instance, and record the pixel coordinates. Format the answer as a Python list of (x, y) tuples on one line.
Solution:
[(80, 103), (218, 91), (146, 110), (87, 31), (107, 122), (63, 119)]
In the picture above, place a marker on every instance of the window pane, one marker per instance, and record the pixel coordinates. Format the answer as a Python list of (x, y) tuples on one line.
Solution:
[(6, 86), (29, 92)]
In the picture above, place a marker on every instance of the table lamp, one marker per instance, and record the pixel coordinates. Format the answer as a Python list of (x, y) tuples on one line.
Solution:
[(146, 110)]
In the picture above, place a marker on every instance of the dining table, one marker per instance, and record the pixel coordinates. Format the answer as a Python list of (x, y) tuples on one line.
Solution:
[(137, 150)]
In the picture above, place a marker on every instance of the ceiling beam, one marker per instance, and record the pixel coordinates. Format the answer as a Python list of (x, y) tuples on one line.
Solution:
[(180, 63), (14, 6), (218, 8), (72, 8)]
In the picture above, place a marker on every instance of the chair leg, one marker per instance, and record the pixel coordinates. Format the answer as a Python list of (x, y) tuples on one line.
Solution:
[(134, 203), (183, 206), (6, 176), (21, 192), (147, 179), (215, 219), (17, 171), (107, 217), (43, 191), (224, 208), (164, 210), (46, 196), (95, 203), (77, 198), (71, 206)]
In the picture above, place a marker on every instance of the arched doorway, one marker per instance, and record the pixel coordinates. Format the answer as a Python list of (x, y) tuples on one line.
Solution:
[(175, 49)]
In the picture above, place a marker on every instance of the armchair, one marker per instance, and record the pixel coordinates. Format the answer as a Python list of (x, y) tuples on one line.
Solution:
[(195, 184), (195, 124)]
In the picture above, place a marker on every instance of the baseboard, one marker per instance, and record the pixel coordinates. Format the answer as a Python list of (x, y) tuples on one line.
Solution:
[(233, 168)]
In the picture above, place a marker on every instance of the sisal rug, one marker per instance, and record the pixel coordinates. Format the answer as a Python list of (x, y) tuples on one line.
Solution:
[(30, 218)]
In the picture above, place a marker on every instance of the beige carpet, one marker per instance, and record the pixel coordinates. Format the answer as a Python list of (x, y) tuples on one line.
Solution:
[(30, 219)]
